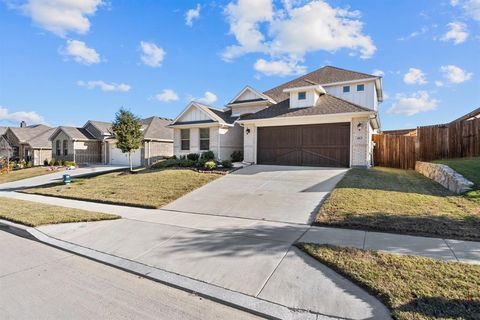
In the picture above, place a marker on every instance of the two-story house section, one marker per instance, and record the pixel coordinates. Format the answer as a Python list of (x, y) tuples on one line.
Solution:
[(324, 118)]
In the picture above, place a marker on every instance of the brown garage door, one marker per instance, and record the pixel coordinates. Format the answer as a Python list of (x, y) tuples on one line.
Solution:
[(325, 145)]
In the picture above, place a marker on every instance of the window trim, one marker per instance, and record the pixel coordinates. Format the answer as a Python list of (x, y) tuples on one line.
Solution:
[(304, 95), (182, 140), (363, 87), (58, 148), (346, 89), (200, 139), (65, 147)]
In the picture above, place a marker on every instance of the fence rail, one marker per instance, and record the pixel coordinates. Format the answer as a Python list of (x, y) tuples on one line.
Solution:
[(455, 140)]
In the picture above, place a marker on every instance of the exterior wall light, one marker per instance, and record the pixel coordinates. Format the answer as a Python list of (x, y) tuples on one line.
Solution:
[(247, 131)]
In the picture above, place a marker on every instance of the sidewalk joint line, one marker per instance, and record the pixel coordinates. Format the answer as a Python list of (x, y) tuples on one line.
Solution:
[(271, 274)]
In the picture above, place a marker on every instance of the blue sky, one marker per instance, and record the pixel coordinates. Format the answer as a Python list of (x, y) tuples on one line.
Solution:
[(65, 62)]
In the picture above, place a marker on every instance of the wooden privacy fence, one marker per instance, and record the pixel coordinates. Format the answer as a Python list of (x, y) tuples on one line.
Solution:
[(454, 140)]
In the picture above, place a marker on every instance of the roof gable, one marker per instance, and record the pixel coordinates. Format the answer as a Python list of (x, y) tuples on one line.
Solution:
[(249, 94), (157, 129), (25, 134), (73, 133), (195, 111)]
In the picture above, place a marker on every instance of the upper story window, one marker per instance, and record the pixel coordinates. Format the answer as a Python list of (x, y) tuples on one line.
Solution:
[(302, 95), (65, 147), (57, 148), (204, 139), (360, 87), (346, 89), (185, 139)]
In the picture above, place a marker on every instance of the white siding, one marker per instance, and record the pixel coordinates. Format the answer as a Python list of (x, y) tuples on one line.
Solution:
[(239, 110), (310, 101), (366, 98), (247, 95), (194, 114)]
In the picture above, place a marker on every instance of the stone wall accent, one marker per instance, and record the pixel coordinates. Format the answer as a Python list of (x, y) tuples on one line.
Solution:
[(444, 175), (361, 138)]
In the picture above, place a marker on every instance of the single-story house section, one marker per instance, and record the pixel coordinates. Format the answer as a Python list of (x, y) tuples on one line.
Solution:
[(201, 128), (30, 143), (94, 143), (324, 118)]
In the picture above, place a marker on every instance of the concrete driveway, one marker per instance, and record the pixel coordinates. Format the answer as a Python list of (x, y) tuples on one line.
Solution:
[(272, 193)]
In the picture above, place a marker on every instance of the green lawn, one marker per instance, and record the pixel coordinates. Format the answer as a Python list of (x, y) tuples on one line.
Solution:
[(413, 288), (470, 169), (23, 174), (400, 201), (147, 188), (35, 214)]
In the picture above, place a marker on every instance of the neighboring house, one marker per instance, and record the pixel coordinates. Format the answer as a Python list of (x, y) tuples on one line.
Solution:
[(94, 143), (30, 143), (323, 118)]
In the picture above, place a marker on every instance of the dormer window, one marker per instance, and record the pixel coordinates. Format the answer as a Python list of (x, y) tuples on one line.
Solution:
[(302, 95), (360, 87), (346, 89)]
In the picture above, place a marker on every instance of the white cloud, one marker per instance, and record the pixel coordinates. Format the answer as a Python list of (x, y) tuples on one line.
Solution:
[(288, 33), (414, 76), (208, 98), (378, 73), (472, 9), (417, 102), (152, 55), (167, 95), (457, 33), (79, 51), (104, 86), (414, 34), (191, 15), (455, 74), (279, 67), (30, 117), (454, 3), (61, 16), (439, 83)]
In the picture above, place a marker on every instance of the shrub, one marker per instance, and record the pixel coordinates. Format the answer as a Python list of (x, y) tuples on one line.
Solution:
[(51, 162), (227, 164), (208, 155), (200, 163), (237, 156), (210, 165), (58, 163), (169, 163), (45, 162), (12, 165), (185, 163), (67, 163), (193, 156), (29, 164)]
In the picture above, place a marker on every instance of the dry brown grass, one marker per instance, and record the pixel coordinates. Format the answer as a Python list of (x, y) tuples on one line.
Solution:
[(23, 174), (147, 188)]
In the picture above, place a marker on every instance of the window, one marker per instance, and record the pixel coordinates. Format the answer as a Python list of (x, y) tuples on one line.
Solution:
[(65, 147), (57, 147), (302, 95), (185, 138), (204, 138), (360, 87), (346, 89)]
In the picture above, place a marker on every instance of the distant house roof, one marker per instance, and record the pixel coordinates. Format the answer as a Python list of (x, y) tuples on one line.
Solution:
[(102, 126), (2, 130), (26, 134), (321, 76), (326, 104), (73, 133), (156, 128), (469, 116), (42, 141)]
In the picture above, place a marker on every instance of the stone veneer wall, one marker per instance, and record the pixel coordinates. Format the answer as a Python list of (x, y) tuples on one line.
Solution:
[(444, 175)]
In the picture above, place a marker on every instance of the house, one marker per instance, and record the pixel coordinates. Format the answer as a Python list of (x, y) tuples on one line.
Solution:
[(94, 143), (30, 143), (323, 118)]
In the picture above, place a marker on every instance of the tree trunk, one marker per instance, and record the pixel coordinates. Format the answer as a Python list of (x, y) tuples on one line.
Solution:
[(130, 160)]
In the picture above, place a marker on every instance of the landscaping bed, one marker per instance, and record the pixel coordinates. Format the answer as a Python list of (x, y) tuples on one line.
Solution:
[(411, 287), (399, 201), (470, 169), (147, 188), (34, 214)]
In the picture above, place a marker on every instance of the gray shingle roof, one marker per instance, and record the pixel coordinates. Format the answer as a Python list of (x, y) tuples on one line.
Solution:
[(24, 135), (104, 127), (77, 133), (157, 129), (327, 104), (42, 141), (321, 76), (2, 130), (225, 115)]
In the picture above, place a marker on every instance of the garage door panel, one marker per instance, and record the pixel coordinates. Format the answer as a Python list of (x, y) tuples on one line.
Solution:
[(312, 145)]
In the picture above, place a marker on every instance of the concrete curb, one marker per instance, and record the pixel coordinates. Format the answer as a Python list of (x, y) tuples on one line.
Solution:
[(227, 297)]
